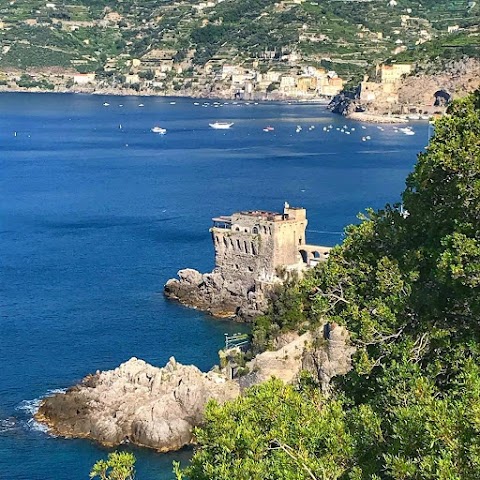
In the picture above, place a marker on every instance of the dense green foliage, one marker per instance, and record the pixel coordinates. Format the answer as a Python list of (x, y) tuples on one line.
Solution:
[(118, 466), (405, 282)]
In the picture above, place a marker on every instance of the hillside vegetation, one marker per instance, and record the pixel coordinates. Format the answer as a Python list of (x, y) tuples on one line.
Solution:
[(405, 282), (345, 35)]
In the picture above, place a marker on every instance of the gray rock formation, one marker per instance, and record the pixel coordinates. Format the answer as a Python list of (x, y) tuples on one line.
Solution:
[(216, 294), (325, 353), (137, 403), (159, 407), (343, 104), (330, 354)]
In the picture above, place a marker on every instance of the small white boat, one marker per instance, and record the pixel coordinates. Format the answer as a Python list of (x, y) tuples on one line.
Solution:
[(106, 104), (196, 103), (407, 131), (141, 105), (159, 130), (173, 103), (221, 125), (413, 117)]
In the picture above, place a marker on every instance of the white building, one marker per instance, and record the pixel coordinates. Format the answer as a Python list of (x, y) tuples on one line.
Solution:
[(83, 78)]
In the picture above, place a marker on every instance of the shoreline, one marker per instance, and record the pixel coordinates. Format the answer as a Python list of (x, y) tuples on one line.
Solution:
[(199, 96), (355, 116), (375, 118)]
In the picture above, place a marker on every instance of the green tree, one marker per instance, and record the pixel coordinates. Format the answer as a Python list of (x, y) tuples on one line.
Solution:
[(118, 466)]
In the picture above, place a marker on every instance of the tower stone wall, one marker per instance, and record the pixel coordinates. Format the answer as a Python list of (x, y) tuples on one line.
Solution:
[(256, 243)]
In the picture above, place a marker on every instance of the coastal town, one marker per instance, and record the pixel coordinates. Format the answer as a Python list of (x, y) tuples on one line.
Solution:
[(217, 49), (217, 79)]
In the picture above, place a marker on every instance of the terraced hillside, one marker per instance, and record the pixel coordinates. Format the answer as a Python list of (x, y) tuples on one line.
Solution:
[(348, 36)]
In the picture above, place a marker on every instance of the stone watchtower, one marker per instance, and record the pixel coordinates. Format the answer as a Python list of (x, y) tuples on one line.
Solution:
[(253, 250), (257, 243)]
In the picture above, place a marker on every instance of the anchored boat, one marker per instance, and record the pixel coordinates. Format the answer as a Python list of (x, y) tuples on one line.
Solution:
[(221, 125)]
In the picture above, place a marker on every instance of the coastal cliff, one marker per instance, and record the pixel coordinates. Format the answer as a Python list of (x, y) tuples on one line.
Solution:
[(422, 91), (158, 408)]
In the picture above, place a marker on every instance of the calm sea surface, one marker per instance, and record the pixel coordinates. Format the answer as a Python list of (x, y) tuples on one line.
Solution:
[(97, 212)]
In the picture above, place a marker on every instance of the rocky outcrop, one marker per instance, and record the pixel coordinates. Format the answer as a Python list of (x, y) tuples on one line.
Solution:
[(216, 294), (159, 407), (330, 354), (137, 403), (414, 94), (457, 78), (325, 352), (342, 104)]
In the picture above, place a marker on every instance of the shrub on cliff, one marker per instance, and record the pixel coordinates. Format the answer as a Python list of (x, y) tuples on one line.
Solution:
[(406, 283)]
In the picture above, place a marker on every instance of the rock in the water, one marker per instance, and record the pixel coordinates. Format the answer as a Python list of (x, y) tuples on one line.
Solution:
[(158, 407), (137, 403), (215, 294)]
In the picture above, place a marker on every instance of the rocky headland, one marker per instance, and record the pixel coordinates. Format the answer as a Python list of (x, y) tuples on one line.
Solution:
[(159, 407), (255, 252), (220, 295), (426, 91), (136, 403)]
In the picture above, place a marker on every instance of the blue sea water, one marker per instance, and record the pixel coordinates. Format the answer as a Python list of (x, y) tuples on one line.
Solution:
[(97, 212)]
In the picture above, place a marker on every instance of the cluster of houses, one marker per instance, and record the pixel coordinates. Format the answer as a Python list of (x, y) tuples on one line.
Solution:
[(164, 76), (158, 70)]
